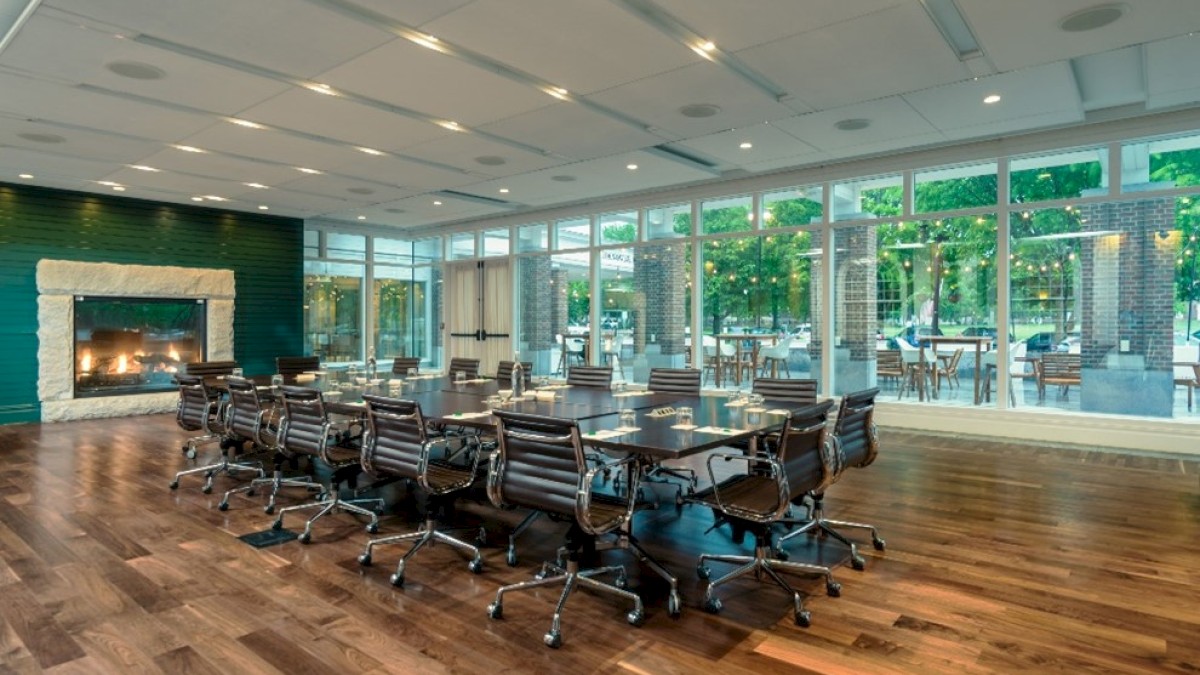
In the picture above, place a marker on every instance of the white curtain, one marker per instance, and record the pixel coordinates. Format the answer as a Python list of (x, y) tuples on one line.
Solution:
[(463, 313)]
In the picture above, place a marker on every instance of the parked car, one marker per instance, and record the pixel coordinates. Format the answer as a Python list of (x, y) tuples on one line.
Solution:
[(1040, 342), (920, 333), (985, 331)]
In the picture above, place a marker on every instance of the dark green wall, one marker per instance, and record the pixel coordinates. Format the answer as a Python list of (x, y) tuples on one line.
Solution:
[(264, 252)]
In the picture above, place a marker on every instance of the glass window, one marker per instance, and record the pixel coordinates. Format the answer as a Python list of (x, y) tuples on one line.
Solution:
[(957, 187), (793, 207), (333, 310), (495, 242), (868, 198), (618, 228), (531, 238), (1062, 175), (462, 245), (406, 319), (758, 308), (554, 313), (731, 214), (345, 246), (574, 233), (644, 299), (669, 222), (393, 250), (1160, 164), (312, 243), (427, 250)]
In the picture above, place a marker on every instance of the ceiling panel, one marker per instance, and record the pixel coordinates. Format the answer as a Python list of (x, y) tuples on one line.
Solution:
[(1028, 99), (343, 119), (47, 165), (38, 48), (767, 141), (421, 210), (411, 12), (892, 123), (1019, 33), (414, 77), (1172, 76), (581, 45), (461, 150), (349, 189), (80, 143), (289, 203), (272, 146), (572, 131), (657, 100), (888, 52), (177, 183), (44, 100), (217, 165), (298, 38), (396, 171), (742, 24)]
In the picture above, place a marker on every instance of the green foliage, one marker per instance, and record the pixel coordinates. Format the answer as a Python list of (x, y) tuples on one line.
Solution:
[(625, 233)]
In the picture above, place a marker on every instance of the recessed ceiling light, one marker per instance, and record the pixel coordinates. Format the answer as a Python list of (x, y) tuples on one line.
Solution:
[(853, 124), (197, 199), (246, 123), (428, 42), (118, 188), (696, 110), (371, 151), (746, 145), (263, 207), (26, 176), (1092, 18), (214, 198), (631, 167), (320, 88), (450, 124), (491, 160), (136, 70), (302, 169), (437, 203), (558, 93), (107, 183), (189, 148), (991, 98), (143, 167), (705, 49), (503, 191), (41, 138), (256, 186), (362, 217)]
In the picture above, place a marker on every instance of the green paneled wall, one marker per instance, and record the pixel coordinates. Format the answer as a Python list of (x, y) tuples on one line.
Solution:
[(264, 252)]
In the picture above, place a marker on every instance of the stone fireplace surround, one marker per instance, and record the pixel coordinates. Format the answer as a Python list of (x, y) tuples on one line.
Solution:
[(59, 281)]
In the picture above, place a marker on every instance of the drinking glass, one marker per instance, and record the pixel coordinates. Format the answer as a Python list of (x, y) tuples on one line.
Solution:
[(492, 402), (756, 400), (620, 386), (505, 395), (628, 417), (460, 376), (237, 372), (412, 372), (543, 381), (276, 381), (683, 415)]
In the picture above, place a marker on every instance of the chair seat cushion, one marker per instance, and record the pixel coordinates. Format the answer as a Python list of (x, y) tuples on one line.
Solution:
[(756, 494), (607, 511), (442, 475), (340, 456)]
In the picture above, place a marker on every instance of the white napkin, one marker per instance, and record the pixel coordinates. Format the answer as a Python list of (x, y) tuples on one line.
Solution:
[(683, 427), (719, 430), (735, 404), (756, 409), (778, 411), (468, 415), (628, 430), (602, 434)]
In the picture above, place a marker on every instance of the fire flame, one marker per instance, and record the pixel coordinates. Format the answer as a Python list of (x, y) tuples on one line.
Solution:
[(174, 355), (122, 364), (85, 363)]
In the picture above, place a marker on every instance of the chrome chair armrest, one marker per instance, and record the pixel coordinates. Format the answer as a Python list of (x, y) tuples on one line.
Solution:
[(775, 472), (494, 483), (423, 468), (583, 497)]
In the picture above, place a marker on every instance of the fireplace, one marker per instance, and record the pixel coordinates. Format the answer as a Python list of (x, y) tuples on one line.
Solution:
[(129, 345)]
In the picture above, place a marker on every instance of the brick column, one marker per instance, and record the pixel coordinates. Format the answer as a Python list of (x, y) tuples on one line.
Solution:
[(855, 316), (659, 273), (539, 299)]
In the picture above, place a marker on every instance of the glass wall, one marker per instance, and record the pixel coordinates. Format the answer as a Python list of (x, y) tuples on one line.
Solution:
[(333, 310), (644, 296), (554, 329)]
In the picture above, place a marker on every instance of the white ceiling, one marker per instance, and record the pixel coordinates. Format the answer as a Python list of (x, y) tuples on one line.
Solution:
[(781, 74)]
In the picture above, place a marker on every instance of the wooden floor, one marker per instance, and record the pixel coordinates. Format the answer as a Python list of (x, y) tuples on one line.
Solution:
[(1000, 558)]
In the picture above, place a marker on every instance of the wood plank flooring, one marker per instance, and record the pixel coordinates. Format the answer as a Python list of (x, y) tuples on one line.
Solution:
[(1001, 558)]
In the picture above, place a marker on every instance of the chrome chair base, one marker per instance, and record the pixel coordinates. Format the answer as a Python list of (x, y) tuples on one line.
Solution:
[(818, 524), (760, 563), (427, 535), (224, 467), (277, 481), (661, 474), (511, 556), (333, 505), (571, 577)]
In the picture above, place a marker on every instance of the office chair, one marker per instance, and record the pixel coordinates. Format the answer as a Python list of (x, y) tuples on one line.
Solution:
[(200, 409), (686, 382), (590, 376), (396, 445), (540, 465), (760, 497)]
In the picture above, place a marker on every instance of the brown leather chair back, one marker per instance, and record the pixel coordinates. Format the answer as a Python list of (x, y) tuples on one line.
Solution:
[(540, 463), (247, 414), (805, 450), (304, 427), (196, 403), (800, 392), (857, 439), (505, 368), (590, 376), (468, 366), (401, 364), (675, 381), (294, 365), (395, 437), (210, 368)]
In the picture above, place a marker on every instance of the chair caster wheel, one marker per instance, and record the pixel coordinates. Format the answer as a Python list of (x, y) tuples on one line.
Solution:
[(879, 544), (511, 558), (833, 589), (207, 489), (703, 572), (858, 563), (495, 610), (674, 605), (190, 453), (305, 538), (803, 619), (553, 639), (277, 524), (269, 509), (397, 580), (476, 566), (373, 528), (223, 506), (481, 538), (365, 560), (636, 618), (174, 485), (712, 605)]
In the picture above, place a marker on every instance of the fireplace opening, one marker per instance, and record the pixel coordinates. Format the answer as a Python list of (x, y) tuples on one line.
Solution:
[(134, 345)]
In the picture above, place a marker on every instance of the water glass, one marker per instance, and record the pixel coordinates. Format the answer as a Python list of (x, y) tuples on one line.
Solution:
[(460, 376), (683, 415), (276, 381), (492, 402), (412, 372), (238, 372), (756, 400), (543, 381), (628, 417), (621, 386)]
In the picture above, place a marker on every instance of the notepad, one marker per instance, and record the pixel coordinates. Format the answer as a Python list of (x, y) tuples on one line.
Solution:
[(683, 427), (628, 430), (470, 415), (756, 409), (602, 434), (626, 394), (778, 411), (735, 404), (718, 430)]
